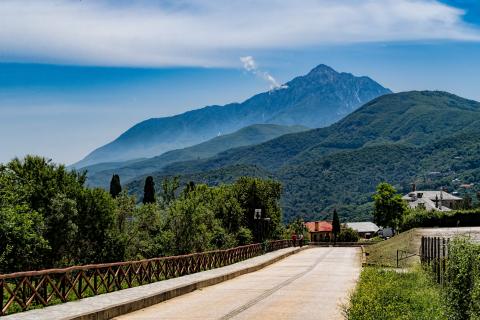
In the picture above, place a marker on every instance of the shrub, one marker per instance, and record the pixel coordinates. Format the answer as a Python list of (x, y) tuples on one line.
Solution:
[(463, 279), (423, 218), (383, 294), (348, 235)]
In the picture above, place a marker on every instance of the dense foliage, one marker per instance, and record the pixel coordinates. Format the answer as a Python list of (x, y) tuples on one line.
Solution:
[(428, 219), (390, 295), (348, 235), (389, 208), (50, 219), (463, 280)]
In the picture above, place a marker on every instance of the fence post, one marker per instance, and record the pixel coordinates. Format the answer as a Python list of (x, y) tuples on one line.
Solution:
[(442, 280), (2, 283), (439, 260), (428, 250), (421, 249)]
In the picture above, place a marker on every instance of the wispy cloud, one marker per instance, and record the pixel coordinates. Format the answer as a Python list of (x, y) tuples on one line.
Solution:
[(210, 32), (250, 65)]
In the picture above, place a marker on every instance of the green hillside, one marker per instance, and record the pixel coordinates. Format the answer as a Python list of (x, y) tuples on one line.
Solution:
[(250, 135), (399, 138)]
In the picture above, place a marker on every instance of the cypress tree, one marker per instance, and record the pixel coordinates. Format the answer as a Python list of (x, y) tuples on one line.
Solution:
[(189, 187), (149, 191), (115, 186), (335, 225)]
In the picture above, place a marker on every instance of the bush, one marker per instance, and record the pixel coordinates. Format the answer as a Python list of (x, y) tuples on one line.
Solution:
[(382, 294), (244, 236), (455, 218), (463, 279), (348, 235)]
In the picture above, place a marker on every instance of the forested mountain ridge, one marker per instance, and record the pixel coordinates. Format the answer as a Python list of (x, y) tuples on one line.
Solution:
[(397, 138), (317, 99), (101, 174)]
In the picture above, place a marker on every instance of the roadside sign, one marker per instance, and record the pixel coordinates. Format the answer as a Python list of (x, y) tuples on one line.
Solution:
[(258, 214)]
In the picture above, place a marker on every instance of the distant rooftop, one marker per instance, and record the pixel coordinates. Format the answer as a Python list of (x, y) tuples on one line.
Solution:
[(322, 226), (428, 200), (363, 227)]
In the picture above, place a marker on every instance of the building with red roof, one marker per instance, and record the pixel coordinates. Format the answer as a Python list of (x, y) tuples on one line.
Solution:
[(320, 230)]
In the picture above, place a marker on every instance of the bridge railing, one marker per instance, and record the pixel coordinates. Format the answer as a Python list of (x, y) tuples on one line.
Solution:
[(32, 289)]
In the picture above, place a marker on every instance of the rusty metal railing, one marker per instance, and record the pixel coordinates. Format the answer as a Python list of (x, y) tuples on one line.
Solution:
[(32, 289)]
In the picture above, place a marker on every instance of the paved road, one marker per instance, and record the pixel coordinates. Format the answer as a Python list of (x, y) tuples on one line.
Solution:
[(311, 284)]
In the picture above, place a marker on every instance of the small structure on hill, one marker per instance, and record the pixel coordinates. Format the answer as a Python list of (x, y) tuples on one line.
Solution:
[(431, 200), (320, 230), (365, 230)]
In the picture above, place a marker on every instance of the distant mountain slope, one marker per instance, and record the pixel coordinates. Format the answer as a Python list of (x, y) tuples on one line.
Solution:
[(317, 99), (397, 138), (415, 118), (250, 135)]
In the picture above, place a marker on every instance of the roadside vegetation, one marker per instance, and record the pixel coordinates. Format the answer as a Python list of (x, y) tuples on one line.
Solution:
[(428, 219), (411, 292), (390, 295), (51, 219), (462, 285)]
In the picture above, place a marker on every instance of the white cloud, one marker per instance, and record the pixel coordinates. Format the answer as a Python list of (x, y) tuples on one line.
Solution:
[(210, 32), (250, 65)]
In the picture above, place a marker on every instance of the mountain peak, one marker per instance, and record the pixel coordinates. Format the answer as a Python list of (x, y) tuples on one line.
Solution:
[(318, 99), (322, 69)]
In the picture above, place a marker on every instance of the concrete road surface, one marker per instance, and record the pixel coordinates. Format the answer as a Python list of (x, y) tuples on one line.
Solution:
[(311, 284)]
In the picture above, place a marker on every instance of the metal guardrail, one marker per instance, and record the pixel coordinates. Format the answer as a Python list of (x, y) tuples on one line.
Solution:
[(31, 289)]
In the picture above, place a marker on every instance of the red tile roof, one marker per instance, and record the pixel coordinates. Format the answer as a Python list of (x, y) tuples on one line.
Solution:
[(322, 226)]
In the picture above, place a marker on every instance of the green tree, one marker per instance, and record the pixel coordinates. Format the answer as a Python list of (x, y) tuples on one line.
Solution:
[(149, 191), (43, 188), (22, 245), (389, 208), (192, 222), (169, 189), (124, 210), (146, 235), (63, 212), (115, 186), (255, 193), (97, 232), (296, 227), (335, 225)]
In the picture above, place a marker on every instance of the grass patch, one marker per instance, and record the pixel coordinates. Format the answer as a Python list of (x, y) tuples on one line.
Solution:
[(384, 253), (387, 294)]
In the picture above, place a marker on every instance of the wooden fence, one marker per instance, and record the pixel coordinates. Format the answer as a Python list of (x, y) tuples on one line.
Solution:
[(434, 254), (32, 289)]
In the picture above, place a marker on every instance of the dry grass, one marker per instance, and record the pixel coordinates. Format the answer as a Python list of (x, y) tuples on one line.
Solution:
[(385, 253)]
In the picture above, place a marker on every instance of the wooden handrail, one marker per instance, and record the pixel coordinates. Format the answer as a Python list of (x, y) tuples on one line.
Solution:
[(21, 291)]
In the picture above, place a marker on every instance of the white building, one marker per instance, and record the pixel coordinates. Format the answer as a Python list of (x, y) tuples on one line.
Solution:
[(365, 229), (431, 200)]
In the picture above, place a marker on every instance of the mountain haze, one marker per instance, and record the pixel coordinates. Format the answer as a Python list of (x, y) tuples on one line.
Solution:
[(99, 175), (317, 99)]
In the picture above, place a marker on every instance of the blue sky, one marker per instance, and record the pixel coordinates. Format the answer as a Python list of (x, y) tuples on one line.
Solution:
[(76, 74)]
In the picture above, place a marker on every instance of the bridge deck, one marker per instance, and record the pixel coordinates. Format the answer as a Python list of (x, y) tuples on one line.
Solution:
[(309, 285)]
